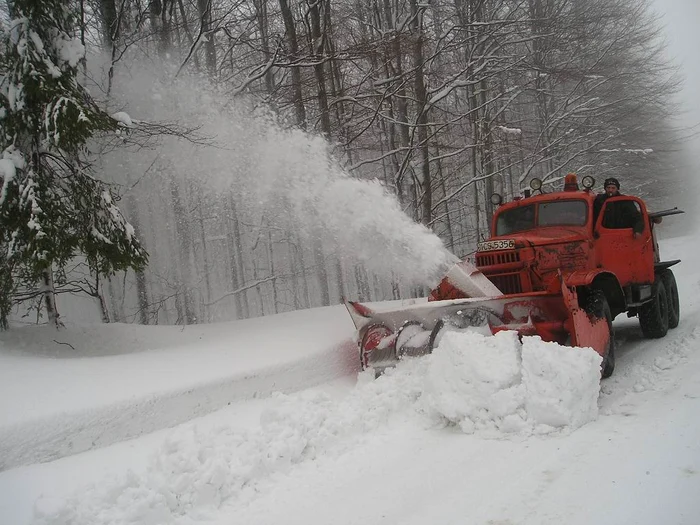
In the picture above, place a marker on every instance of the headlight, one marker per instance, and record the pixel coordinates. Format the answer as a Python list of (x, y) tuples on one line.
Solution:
[(496, 199), (536, 184), (588, 182)]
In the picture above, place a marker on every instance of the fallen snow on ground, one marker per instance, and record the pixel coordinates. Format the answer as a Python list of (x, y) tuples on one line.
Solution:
[(492, 385), (88, 386)]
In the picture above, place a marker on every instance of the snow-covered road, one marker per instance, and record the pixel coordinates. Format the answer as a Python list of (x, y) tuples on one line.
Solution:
[(376, 452), (91, 386)]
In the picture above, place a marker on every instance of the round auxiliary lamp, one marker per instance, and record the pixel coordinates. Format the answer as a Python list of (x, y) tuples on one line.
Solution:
[(588, 182), (536, 184)]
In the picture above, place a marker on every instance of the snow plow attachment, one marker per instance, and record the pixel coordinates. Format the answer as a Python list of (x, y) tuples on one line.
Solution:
[(385, 337)]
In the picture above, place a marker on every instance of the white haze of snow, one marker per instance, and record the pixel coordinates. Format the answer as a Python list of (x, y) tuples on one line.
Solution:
[(285, 178)]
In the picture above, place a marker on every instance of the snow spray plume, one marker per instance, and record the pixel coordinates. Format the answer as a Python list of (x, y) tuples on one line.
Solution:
[(286, 179)]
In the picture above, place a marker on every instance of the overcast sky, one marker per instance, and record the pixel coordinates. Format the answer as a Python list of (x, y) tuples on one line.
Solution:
[(682, 21)]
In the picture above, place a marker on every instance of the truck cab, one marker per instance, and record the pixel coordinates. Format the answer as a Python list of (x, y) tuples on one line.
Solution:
[(537, 238)]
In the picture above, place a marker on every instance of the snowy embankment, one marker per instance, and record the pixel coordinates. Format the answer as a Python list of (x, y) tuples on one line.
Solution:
[(89, 386)]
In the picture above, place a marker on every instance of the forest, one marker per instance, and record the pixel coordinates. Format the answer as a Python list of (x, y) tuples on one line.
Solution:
[(250, 157)]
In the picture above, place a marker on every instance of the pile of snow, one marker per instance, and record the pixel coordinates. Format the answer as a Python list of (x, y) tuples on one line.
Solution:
[(492, 385), (496, 385)]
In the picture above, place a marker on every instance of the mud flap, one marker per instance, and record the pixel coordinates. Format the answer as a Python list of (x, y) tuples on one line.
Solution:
[(584, 330)]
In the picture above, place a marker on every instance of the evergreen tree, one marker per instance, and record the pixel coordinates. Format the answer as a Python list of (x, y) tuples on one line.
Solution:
[(52, 208)]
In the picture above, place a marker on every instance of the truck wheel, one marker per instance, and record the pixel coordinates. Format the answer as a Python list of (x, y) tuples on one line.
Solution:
[(596, 305), (674, 305), (653, 315)]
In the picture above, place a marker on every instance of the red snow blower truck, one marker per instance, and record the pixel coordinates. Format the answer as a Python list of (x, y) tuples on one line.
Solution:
[(550, 268)]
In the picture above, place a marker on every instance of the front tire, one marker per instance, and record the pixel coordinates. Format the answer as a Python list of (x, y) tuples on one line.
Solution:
[(596, 305), (653, 315), (674, 305)]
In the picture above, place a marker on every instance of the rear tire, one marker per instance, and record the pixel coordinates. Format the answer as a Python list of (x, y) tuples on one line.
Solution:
[(596, 305), (674, 305), (653, 315)]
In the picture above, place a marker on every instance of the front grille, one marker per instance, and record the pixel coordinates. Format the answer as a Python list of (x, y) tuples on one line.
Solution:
[(507, 283), (489, 259)]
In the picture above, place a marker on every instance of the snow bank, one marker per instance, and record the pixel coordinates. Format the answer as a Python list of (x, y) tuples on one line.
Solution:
[(496, 385), (111, 382), (491, 385), (563, 383)]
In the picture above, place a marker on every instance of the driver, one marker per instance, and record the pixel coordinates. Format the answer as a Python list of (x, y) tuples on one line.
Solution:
[(623, 214)]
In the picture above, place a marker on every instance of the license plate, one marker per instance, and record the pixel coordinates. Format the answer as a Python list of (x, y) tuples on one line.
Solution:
[(488, 246)]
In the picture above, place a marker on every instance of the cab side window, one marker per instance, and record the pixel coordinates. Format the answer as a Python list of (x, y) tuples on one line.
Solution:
[(623, 214)]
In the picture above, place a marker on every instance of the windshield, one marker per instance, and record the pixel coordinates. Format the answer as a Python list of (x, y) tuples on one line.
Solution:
[(556, 213), (564, 213), (516, 220)]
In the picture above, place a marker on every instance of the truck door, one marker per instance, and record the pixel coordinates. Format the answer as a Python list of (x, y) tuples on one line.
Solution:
[(623, 240)]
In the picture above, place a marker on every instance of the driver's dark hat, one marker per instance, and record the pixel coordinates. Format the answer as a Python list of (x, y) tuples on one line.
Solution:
[(611, 181)]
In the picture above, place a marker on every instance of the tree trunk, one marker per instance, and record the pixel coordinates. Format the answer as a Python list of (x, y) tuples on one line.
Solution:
[(317, 47), (362, 283), (141, 287), (206, 267), (448, 220), (234, 233), (290, 32), (271, 264), (299, 263), (160, 15), (261, 17), (487, 151), (422, 110), (396, 62), (50, 298), (117, 313), (204, 7), (340, 281), (6, 286), (184, 249), (234, 277), (104, 311), (320, 262), (108, 15)]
